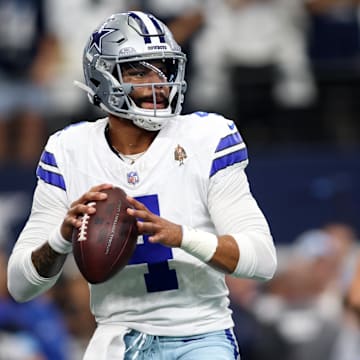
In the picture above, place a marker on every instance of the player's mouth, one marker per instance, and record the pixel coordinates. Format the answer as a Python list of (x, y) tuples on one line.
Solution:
[(148, 103)]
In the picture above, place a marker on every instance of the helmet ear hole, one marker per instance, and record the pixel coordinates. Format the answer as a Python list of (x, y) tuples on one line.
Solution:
[(95, 82), (183, 87), (115, 73), (96, 101)]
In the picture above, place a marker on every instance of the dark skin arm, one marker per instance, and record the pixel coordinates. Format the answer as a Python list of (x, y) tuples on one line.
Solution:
[(47, 261)]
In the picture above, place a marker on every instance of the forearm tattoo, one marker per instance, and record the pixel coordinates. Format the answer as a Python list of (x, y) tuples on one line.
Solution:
[(47, 261)]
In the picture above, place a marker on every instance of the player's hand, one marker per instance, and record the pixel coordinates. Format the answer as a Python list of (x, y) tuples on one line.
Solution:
[(79, 207), (160, 230)]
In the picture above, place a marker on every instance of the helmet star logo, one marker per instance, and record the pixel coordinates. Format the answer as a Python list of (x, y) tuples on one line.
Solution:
[(96, 37)]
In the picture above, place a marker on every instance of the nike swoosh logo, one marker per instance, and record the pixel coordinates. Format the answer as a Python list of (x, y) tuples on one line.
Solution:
[(231, 126)]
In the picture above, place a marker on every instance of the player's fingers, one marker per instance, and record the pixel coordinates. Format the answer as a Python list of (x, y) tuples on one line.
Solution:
[(90, 196), (147, 227), (94, 196), (168, 235), (95, 193), (77, 212), (157, 237), (136, 204), (72, 221), (141, 214), (81, 209), (101, 187)]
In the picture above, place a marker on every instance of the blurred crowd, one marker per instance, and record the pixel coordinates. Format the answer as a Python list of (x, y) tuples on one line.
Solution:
[(304, 312), (286, 71)]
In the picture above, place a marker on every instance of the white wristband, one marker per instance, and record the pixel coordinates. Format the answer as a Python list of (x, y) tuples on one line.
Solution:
[(198, 243), (58, 243)]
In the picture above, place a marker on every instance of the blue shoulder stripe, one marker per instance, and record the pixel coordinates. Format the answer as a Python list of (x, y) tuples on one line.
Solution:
[(228, 141), (227, 160), (51, 178), (48, 158)]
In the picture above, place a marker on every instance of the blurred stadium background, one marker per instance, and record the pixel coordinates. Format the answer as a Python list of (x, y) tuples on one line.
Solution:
[(288, 73)]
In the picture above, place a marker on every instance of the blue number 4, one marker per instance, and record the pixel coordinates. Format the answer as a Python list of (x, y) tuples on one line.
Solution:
[(160, 277)]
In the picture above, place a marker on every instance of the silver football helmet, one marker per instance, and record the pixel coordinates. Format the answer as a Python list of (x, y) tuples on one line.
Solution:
[(132, 40)]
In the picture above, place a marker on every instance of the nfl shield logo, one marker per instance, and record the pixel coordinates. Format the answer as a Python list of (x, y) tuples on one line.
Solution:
[(133, 177)]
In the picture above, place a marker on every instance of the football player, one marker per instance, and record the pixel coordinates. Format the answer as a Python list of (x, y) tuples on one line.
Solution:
[(185, 178)]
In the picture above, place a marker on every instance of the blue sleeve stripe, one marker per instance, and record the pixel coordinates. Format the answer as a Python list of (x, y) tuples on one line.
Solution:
[(228, 160), (228, 141), (51, 177), (48, 158)]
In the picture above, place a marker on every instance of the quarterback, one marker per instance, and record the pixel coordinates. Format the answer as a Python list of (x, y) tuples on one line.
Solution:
[(185, 178)]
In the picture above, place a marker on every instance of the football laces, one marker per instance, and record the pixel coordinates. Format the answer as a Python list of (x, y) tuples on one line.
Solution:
[(82, 234)]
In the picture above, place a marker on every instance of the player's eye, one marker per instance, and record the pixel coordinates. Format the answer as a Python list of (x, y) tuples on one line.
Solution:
[(136, 73)]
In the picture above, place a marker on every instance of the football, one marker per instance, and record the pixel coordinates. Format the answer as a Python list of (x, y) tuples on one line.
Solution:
[(106, 240)]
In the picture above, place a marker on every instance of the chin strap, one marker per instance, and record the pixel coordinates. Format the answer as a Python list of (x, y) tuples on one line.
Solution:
[(94, 99), (84, 87)]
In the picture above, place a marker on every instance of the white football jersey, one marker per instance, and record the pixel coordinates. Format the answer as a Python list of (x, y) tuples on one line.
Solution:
[(162, 291)]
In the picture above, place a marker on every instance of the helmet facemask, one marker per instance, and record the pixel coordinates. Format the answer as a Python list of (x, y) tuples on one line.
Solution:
[(164, 94)]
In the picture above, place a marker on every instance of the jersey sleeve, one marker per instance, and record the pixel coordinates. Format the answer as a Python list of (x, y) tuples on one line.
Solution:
[(48, 210), (234, 210)]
